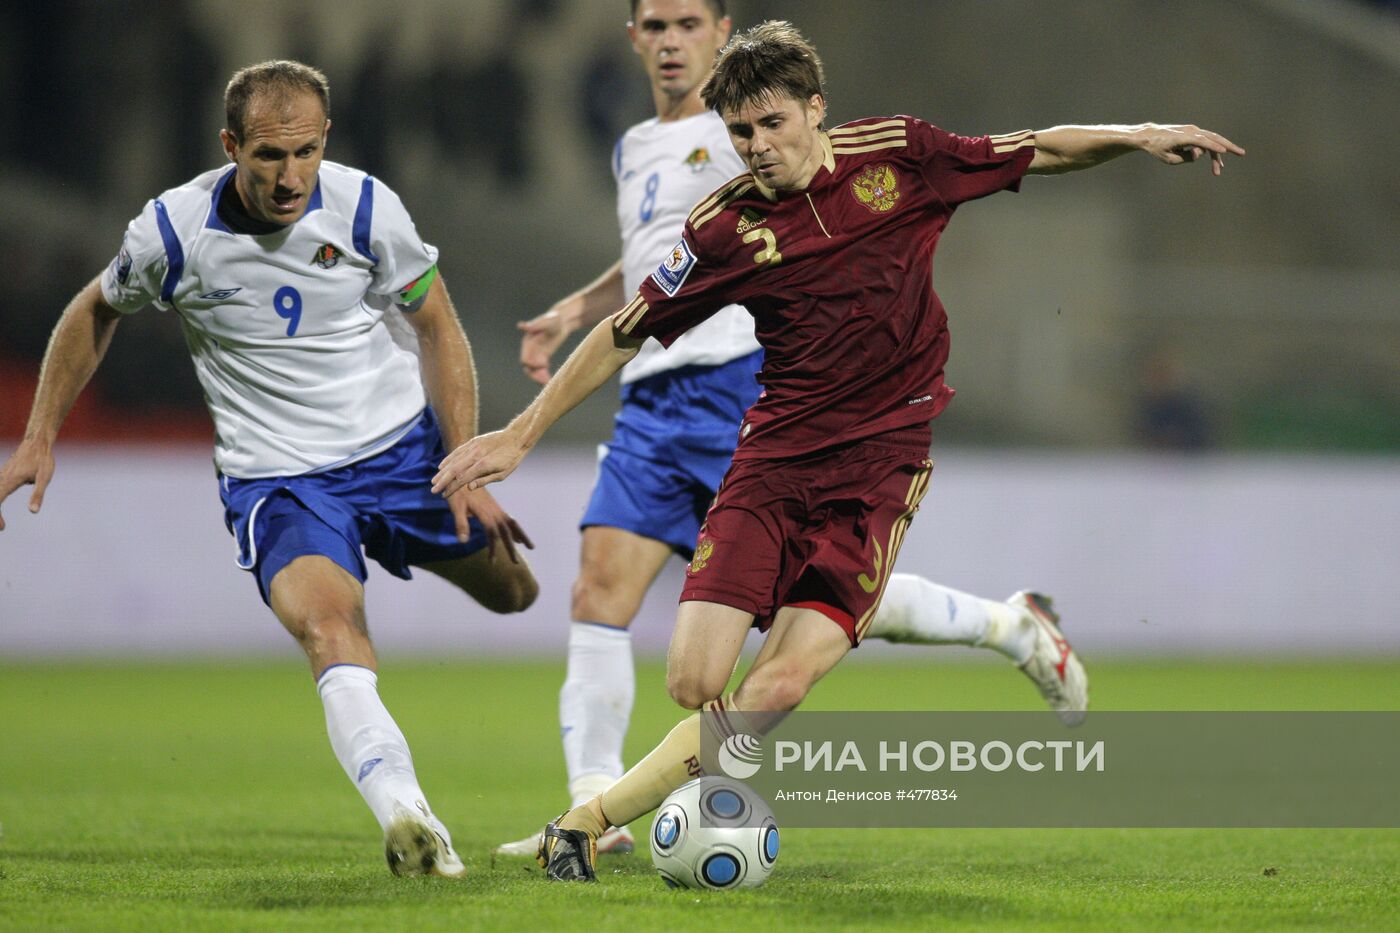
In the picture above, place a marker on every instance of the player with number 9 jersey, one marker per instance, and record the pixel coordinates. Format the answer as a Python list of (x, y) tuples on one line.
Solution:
[(286, 330), (287, 273)]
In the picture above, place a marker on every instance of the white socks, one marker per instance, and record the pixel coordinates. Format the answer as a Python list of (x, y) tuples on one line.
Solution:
[(595, 705), (368, 744), (923, 612)]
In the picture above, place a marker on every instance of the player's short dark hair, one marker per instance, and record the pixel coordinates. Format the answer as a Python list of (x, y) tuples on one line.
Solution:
[(280, 78), (771, 60), (716, 7)]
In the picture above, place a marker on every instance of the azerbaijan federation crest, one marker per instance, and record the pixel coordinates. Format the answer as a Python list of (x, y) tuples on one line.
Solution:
[(877, 188)]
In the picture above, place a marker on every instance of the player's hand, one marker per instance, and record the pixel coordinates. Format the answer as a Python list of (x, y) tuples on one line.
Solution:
[(488, 458), (1177, 144), (467, 504), (542, 336), (30, 464)]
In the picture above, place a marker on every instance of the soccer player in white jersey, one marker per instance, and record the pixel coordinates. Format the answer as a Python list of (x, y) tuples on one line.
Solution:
[(282, 269), (679, 423)]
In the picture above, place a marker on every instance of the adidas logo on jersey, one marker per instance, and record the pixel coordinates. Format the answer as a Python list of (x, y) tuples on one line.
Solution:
[(748, 219)]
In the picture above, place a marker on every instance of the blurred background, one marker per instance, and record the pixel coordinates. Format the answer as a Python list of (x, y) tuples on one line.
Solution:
[(1178, 397)]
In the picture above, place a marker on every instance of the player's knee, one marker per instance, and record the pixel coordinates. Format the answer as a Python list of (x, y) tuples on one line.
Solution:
[(331, 630), (774, 687), (516, 593), (596, 597), (692, 689)]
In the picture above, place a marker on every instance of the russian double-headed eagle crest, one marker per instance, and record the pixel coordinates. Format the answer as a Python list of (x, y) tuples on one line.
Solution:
[(702, 556), (877, 188)]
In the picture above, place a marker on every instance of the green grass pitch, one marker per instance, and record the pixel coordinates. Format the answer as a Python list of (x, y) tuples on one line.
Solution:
[(205, 796)]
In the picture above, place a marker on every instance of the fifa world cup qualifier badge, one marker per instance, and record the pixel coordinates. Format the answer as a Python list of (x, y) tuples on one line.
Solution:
[(672, 272), (121, 266)]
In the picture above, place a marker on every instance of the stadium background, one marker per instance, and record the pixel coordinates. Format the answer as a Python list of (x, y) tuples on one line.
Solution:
[(1178, 406)]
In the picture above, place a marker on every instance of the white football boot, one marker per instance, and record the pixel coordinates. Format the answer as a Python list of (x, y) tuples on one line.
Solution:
[(417, 844), (1053, 665), (616, 841)]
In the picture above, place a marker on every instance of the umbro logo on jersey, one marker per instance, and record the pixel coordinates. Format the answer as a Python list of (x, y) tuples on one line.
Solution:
[(326, 256), (221, 294), (748, 219), (698, 159)]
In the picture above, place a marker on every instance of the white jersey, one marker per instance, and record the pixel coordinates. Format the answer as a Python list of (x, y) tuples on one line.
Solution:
[(663, 170), (287, 329)]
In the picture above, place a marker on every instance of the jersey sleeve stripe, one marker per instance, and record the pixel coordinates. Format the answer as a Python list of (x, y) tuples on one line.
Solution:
[(999, 138), (858, 129), (718, 197), (1012, 147), (721, 204), (174, 253), (710, 200), (868, 137), (364, 217), (852, 150), (631, 314)]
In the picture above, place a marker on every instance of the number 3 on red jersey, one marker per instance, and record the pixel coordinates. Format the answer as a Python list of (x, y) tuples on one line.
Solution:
[(769, 253)]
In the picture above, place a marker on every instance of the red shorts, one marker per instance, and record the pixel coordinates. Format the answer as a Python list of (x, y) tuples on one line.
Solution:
[(818, 532)]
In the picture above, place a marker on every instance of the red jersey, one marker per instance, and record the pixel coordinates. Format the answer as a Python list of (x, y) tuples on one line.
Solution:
[(838, 278)]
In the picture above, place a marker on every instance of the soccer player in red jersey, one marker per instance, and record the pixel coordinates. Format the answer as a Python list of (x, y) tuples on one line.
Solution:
[(828, 241)]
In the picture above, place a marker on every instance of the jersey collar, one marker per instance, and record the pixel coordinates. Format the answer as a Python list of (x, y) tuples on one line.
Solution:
[(213, 222)]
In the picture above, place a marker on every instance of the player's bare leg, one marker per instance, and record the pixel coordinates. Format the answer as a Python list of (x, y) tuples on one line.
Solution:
[(499, 584), (704, 651), (616, 568), (322, 606), (801, 648), (1024, 628)]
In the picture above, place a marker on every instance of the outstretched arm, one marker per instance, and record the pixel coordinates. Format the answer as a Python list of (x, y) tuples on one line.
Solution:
[(584, 308), (449, 377), (1071, 148), (77, 346), (492, 457)]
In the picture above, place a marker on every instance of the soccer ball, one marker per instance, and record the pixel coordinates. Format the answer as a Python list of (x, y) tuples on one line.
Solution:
[(714, 833)]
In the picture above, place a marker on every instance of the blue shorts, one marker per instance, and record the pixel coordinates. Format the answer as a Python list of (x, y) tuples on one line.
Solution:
[(383, 504), (672, 442)]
